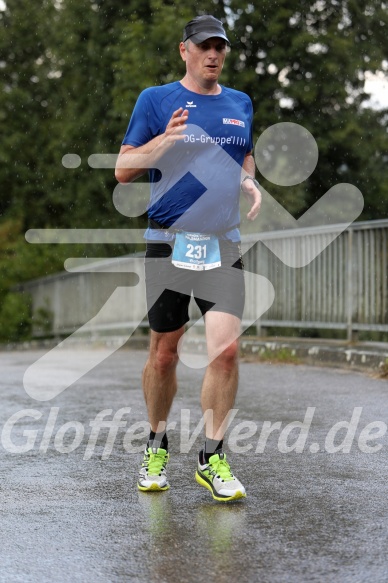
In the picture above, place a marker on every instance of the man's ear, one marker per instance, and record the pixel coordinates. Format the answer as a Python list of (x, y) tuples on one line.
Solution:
[(182, 50)]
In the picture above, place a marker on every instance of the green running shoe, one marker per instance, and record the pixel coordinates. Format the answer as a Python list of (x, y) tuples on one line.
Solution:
[(152, 475), (217, 477)]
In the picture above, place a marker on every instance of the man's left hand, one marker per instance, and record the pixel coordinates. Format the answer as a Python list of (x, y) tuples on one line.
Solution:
[(254, 196)]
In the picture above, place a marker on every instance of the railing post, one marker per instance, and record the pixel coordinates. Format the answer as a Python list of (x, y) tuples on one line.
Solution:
[(349, 287)]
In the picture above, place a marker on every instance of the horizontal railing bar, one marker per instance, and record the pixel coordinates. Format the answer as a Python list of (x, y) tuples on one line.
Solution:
[(318, 230)]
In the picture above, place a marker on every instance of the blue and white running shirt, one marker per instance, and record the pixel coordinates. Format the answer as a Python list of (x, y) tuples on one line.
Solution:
[(196, 186)]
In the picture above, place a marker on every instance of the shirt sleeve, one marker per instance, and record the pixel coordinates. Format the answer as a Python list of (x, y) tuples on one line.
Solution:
[(144, 122)]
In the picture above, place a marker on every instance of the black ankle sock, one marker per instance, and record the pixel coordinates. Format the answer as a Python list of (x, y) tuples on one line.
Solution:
[(212, 446), (158, 440)]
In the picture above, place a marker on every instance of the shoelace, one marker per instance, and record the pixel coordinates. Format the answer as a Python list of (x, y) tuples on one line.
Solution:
[(222, 469), (155, 463)]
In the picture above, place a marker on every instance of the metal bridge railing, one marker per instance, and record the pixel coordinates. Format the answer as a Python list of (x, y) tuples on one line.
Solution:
[(344, 287)]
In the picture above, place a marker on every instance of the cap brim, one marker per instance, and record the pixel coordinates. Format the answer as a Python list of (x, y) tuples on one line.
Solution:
[(200, 37)]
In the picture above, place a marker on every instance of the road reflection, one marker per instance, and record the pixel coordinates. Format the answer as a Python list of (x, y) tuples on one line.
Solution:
[(203, 540)]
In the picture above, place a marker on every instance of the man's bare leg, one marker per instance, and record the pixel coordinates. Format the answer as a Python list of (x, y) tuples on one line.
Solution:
[(221, 378), (159, 385), (218, 394), (159, 377)]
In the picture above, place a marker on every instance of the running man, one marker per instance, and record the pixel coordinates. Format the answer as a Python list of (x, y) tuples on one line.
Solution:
[(193, 132)]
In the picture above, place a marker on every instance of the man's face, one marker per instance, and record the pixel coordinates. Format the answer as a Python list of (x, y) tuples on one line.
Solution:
[(204, 61)]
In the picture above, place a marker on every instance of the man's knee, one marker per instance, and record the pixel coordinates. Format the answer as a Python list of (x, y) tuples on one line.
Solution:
[(164, 357), (228, 358)]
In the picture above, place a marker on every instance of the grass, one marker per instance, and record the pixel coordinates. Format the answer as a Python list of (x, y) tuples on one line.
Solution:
[(383, 371), (281, 355)]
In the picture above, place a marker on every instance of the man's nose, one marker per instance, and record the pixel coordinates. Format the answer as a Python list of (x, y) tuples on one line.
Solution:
[(212, 53)]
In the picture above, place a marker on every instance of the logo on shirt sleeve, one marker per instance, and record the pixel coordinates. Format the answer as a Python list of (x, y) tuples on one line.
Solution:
[(233, 122)]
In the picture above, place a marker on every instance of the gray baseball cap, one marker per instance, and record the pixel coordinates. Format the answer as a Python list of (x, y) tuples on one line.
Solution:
[(203, 27)]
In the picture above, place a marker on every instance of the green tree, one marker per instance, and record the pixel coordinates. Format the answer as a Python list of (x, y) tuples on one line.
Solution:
[(305, 62), (26, 106)]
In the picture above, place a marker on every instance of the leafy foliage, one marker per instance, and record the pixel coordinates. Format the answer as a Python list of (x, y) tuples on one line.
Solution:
[(15, 318), (305, 62)]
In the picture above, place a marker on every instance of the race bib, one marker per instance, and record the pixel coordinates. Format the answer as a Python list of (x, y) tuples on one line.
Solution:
[(196, 251)]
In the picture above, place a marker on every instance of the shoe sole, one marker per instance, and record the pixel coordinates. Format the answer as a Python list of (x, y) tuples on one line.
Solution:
[(203, 482), (153, 488)]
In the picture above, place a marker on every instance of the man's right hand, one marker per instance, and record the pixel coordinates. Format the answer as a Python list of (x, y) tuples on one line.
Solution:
[(128, 168), (175, 127)]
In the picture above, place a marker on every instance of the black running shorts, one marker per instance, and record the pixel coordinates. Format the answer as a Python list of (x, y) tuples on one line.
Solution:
[(169, 288)]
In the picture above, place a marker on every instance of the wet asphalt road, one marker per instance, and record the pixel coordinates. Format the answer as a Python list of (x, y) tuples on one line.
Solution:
[(309, 516)]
